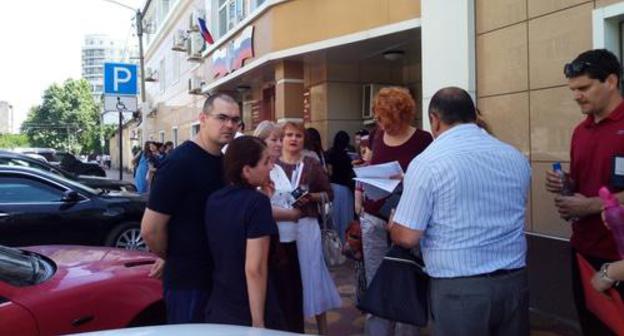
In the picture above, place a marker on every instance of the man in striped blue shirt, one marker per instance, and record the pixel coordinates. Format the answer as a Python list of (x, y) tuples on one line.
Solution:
[(464, 201)]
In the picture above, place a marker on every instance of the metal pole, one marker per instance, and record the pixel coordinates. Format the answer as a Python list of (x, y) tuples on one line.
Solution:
[(120, 108), (139, 25), (101, 135)]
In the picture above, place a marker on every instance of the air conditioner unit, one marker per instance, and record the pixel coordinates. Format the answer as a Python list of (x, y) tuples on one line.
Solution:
[(148, 109), (368, 94), (195, 45), (179, 41), (155, 107), (193, 24), (195, 85), (151, 75)]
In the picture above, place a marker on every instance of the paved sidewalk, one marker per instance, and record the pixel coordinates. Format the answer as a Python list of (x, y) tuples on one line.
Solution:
[(114, 174), (349, 321)]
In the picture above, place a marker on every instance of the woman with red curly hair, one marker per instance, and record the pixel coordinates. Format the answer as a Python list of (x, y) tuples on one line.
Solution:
[(395, 140)]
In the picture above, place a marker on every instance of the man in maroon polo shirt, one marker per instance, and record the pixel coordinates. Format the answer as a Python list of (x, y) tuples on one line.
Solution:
[(597, 142)]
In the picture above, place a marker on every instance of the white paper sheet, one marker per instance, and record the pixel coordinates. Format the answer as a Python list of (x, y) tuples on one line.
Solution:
[(376, 179), (384, 170)]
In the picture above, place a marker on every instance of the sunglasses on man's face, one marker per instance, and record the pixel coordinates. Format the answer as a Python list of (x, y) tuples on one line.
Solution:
[(575, 69)]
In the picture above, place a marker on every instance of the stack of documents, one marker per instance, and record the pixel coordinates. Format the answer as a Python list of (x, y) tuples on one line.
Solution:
[(377, 179)]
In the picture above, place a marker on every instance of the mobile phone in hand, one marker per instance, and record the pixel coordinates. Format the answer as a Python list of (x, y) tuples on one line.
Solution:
[(298, 194)]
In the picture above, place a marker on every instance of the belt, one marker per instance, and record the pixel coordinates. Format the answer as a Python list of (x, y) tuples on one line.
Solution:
[(496, 273)]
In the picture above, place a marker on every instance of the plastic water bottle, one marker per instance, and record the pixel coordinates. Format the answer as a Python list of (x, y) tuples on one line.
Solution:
[(568, 184), (614, 216)]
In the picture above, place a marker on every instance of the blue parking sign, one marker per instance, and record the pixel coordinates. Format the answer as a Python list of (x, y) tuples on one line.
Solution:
[(120, 79)]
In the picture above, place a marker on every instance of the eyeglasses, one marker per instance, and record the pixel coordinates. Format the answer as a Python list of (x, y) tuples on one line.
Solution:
[(575, 69), (222, 119)]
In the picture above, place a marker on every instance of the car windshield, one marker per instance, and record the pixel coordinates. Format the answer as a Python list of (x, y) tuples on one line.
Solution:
[(22, 268)]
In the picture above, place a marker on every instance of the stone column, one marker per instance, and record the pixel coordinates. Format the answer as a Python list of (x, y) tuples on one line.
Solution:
[(289, 91), (448, 49)]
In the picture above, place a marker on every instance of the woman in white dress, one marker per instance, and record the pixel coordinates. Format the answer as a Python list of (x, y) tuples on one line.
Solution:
[(285, 265), (319, 290)]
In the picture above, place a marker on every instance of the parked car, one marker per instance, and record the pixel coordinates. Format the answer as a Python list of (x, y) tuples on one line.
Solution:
[(72, 164), (37, 156), (65, 160), (40, 208), (24, 160), (58, 290), (47, 153)]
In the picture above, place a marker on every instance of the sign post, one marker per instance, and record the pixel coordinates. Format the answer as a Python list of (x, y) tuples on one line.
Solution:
[(120, 91)]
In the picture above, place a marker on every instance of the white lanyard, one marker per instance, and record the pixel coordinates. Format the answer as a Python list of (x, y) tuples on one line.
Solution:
[(295, 179)]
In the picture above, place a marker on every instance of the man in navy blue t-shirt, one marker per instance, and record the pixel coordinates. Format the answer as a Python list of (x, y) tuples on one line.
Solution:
[(172, 225)]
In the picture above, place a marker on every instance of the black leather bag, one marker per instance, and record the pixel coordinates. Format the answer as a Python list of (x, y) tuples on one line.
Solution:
[(391, 203), (398, 292)]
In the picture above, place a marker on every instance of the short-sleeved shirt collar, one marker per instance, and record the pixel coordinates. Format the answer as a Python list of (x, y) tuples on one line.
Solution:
[(616, 115)]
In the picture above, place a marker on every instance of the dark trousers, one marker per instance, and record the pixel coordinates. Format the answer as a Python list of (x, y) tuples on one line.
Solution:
[(481, 305), (186, 305), (590, 324), (288, 283)]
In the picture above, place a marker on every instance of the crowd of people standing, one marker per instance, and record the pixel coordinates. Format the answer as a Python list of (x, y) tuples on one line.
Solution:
[(240, 238)]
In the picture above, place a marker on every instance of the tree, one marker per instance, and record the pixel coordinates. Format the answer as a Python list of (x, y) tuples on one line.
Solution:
[(13, 140), (68, 119)]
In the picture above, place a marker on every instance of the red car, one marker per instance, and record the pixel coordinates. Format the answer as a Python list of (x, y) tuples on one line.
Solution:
[(51, 290)]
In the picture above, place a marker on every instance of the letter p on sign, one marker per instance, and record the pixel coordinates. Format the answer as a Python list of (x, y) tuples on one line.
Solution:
[(121, 75), (120, 79)]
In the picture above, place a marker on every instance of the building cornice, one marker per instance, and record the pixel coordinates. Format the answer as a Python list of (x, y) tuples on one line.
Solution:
[(266, 6), (315, 46)]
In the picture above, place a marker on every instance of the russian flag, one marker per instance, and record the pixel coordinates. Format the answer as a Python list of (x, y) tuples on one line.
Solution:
[(204, 31)]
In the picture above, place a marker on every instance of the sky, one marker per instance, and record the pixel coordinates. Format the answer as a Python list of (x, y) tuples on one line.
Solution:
[(40, 43)]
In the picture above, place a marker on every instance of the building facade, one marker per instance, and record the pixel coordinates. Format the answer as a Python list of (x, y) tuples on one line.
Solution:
[(98, 49), (6, 118), (321, 62)]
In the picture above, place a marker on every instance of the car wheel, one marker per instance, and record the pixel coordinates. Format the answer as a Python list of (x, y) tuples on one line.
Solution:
[(126, 236)]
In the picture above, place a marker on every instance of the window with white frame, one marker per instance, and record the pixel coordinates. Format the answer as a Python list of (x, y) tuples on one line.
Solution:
[(164, 9), (176, 67), (194, 129), (231, 12), (162, 73), (608, 29), (174, 136), (161, 135)]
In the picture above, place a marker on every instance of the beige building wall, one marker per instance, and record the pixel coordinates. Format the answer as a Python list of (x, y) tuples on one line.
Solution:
[(521, 48), (336, 91), (285, 25), (168, 95)]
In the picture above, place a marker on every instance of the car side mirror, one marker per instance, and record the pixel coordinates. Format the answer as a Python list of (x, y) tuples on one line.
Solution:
[(70, 196)]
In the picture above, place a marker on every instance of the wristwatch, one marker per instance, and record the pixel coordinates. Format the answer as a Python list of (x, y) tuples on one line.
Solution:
[(603, 274)]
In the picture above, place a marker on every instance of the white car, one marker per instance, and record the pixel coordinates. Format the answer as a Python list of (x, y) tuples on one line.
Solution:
[(203, 329)]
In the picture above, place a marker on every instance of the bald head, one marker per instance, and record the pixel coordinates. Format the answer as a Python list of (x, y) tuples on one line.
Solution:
[(453, 105)]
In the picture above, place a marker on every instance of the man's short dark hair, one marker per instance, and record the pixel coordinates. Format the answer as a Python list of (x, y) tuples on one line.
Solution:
[(596, 64), (209, 103), (453, 105)]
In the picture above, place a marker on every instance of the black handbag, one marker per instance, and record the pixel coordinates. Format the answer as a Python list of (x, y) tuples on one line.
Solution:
[(398, 292), (391, 203)]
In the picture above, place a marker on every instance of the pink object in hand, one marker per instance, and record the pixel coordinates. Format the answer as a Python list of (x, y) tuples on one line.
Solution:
[(614, 216)]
